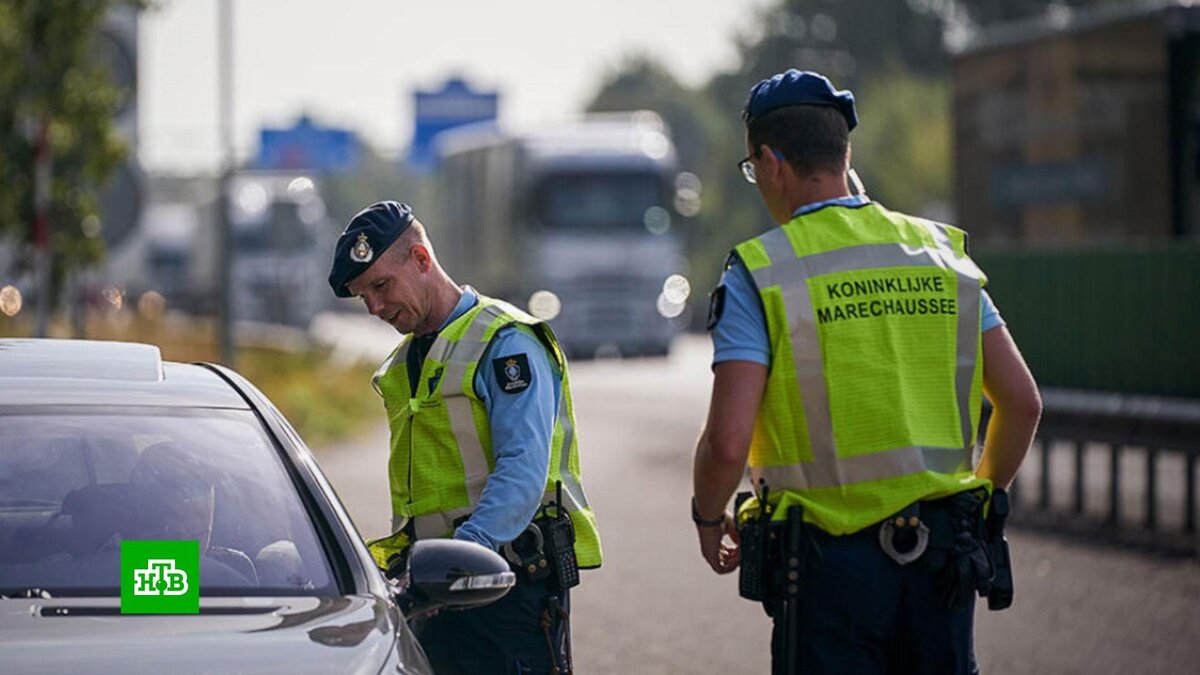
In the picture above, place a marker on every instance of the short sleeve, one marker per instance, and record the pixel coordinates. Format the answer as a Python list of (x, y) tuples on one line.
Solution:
[(739, 328), (989, 316)]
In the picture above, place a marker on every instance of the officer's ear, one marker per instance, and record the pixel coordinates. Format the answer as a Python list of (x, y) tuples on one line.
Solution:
[(421, 256), (770, 165)]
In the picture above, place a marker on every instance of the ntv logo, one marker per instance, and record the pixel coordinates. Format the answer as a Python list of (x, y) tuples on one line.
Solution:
[(160, 577)]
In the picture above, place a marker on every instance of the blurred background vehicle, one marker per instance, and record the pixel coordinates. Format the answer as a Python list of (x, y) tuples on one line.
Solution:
[(573, 221), (282, 239)]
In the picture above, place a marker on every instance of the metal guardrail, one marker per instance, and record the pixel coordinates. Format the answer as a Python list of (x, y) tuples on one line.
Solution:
[(1122, 438)]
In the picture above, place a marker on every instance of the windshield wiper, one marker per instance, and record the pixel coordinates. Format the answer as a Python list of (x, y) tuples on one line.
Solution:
[(28, 502)]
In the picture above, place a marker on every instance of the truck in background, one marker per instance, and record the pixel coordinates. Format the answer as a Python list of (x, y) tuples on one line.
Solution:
[(282, 238), (573, 221)]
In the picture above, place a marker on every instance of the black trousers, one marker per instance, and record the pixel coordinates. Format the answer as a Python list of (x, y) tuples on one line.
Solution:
[(862, 613), (505, 637)]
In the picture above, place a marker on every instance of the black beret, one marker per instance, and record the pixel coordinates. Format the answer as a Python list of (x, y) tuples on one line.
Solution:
[(796, 87), (367, 236)]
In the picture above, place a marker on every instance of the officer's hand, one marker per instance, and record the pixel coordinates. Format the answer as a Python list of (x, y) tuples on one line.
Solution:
[(722, 555)]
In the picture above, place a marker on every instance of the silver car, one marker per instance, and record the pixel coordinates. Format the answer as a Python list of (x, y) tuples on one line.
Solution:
[(103, 442)]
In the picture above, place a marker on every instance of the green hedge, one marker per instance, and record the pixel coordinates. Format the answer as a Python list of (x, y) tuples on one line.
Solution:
[(1120, 318)]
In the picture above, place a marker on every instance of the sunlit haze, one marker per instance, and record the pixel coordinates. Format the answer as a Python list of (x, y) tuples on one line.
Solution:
[(356, 63)]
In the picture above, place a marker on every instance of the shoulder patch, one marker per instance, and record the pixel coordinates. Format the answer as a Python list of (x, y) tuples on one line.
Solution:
[(512, 373), (716, 307)]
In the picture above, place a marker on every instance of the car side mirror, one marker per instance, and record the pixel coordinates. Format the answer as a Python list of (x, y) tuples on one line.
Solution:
[(449, 573)]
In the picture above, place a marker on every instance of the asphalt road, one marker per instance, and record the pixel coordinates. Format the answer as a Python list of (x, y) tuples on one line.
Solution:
[(655, 607)]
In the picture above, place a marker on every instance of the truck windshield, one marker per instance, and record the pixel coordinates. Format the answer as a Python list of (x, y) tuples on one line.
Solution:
[(584, 202), (75, 482)]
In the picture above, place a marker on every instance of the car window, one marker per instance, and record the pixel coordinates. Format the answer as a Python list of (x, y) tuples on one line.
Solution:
[(75, 482)]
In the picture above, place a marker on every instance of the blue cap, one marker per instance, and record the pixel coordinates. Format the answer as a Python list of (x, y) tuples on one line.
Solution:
[(796, 87), (367, 236)]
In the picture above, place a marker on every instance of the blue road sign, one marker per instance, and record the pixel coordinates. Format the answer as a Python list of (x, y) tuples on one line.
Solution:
[(454, 105), (307, 146)]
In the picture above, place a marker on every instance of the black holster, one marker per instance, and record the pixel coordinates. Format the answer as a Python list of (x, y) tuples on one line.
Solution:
[(772, 554), (754, 535), (969, 553), (1000, 596)]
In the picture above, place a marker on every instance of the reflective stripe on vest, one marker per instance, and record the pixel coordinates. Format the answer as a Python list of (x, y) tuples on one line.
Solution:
[(791, 271), (457, 351), (460, 356)]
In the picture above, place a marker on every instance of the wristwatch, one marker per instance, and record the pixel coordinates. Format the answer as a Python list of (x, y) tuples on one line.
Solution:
[(715, 522)]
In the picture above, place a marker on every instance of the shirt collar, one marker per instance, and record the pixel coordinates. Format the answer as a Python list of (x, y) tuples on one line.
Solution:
[(851, 201), (465, 302)]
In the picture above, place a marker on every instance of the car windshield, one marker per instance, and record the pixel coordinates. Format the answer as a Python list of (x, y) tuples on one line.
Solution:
[(75, 482)]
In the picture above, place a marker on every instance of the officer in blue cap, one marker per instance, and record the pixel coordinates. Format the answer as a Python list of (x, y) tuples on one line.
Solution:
[(482, 443), (852, 345)]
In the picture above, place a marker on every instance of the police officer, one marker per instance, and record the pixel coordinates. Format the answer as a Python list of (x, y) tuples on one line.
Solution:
[(482, 432), (851, 345)]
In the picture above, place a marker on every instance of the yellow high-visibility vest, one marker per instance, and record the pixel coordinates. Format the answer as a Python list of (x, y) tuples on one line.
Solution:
[(874, 387), (441, 454)]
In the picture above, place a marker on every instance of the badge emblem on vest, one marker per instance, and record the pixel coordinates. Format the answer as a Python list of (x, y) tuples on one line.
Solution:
[(512, 373), (361, 252)]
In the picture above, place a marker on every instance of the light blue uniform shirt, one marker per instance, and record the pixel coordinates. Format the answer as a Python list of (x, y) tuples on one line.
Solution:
[(522, 425), (741, 331)]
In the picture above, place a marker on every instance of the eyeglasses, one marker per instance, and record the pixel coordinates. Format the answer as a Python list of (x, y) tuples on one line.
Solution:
[(747, 168)]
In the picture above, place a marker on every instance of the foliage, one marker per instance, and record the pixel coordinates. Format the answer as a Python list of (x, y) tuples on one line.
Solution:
[(48, 74), (846, 40), (325, 401), (902, 150), (977, 13), (642, 82)]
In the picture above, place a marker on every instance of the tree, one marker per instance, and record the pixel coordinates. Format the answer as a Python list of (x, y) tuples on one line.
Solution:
[(978, 13), (640, 82), (847, 40), (902, 151), (877, 49), (49, 76)]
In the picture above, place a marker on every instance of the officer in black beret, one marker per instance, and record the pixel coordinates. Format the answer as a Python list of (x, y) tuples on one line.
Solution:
[(483, 444), (852, 345)]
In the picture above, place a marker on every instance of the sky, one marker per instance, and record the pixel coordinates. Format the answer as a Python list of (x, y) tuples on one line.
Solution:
[(356, 63)]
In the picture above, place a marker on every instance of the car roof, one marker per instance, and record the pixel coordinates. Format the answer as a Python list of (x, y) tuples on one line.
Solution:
[(37, 371)]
